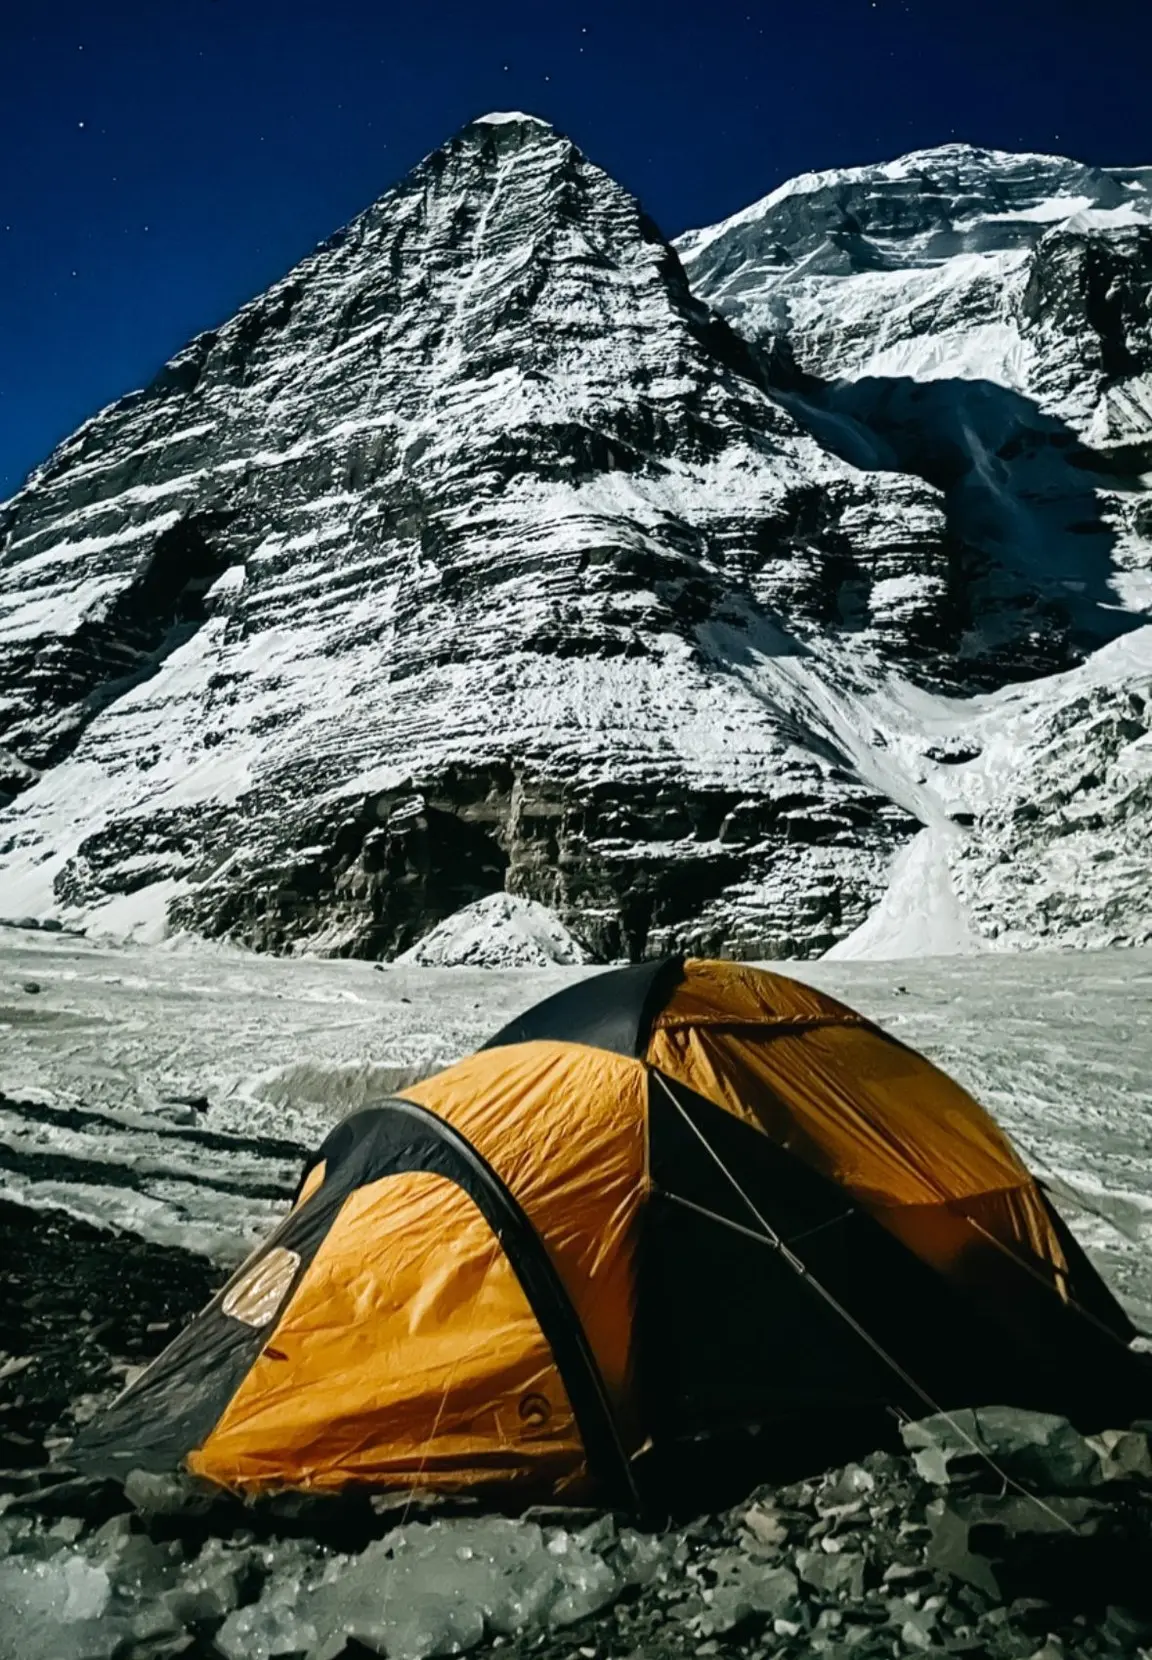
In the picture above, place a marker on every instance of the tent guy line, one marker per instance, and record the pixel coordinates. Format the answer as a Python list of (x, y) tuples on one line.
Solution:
[(508, 1279), (772, 1240)]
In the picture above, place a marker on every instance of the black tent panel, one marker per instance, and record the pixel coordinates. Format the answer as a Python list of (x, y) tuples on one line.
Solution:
[(729, 1328), (176, 1404), (730, 1331), (611, 1011)]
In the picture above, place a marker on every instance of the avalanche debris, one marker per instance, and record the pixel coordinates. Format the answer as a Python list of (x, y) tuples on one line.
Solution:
[(501, 931)]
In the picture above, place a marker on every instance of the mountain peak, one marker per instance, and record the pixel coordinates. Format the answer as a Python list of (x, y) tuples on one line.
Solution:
[(937, 155), (511, 118), (918, 209), (478, 558), (951, 166)]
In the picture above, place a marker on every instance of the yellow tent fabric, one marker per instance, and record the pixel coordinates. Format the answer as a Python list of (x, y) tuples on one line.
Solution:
[(894, 1131), (409, 1350)]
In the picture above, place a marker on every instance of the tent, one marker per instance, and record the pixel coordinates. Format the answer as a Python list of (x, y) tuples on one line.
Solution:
[(681, 1205)]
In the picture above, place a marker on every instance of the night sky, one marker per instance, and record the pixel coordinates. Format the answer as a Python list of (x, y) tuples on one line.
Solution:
[(161, 161)]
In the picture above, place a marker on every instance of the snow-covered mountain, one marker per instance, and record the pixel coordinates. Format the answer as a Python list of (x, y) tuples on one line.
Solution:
[(980, 319), (1031, 271), (482, 553), (984, 320)]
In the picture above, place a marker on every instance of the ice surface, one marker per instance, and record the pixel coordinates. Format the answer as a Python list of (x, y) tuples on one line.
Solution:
[(72, 1592), (423, 1590), (56, 1610), (1057, 1045), (114, 1589), (442, 1587)]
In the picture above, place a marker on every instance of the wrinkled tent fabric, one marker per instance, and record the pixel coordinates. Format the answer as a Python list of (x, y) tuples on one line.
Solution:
[(528, 1271), (879, 1120), (410, 1348)]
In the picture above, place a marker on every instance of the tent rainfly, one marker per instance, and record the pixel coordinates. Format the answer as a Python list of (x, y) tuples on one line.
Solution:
[(676, 1205)]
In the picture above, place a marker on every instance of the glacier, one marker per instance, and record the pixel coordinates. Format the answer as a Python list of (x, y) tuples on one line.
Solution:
[(98, 1067)]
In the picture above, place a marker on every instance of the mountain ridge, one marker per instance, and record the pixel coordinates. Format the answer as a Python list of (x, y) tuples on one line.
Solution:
[(479, 553)]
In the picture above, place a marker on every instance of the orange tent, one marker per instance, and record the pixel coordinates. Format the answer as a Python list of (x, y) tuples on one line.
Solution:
[(674, 1205)]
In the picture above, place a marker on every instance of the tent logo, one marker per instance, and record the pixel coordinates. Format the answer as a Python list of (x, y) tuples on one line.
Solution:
[(258, 1293), (535, 1411)]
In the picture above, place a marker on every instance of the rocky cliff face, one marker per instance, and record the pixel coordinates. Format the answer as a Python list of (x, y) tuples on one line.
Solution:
[(483, 554), (982, 320)]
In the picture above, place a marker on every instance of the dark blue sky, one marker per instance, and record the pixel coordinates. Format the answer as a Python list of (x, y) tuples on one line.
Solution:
[(163, 160)]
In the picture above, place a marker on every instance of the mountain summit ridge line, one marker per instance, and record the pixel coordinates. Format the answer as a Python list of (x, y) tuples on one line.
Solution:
[(481, 552)]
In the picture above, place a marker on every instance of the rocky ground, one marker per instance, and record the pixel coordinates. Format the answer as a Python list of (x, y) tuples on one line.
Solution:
[(997, 1535), (160, 1099), (1036, 1551), (81, 1309)]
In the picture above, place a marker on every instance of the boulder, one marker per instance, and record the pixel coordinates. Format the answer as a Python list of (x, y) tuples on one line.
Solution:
[(839, 1574), (1039, 1450), (1125, 1454)]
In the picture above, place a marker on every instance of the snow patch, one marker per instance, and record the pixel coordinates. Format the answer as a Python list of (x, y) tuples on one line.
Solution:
[(500, 931), (141, 916), (920, 914), (507, 118)]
